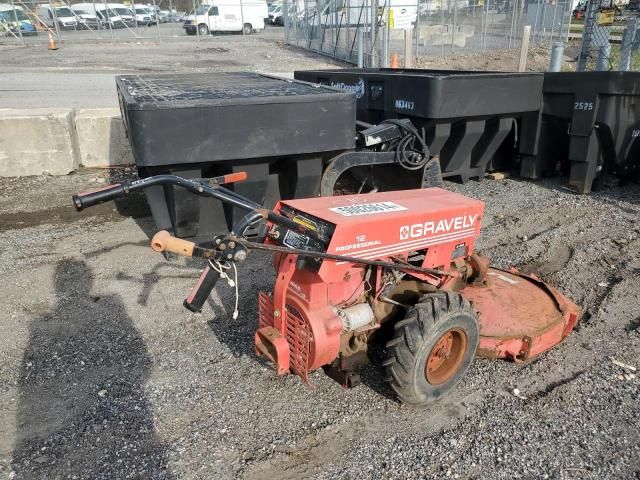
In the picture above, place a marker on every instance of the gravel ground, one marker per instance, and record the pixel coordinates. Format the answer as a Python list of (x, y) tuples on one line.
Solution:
[(103, 374)]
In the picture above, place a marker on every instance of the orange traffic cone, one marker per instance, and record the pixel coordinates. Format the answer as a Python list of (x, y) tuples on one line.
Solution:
[(52, 42), (394, 60)]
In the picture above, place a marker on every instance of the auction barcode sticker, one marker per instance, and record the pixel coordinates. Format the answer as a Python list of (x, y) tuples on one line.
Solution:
[(367, 209)]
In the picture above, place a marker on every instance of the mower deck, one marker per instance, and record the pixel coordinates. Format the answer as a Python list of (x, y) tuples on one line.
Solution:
[(520, 316)]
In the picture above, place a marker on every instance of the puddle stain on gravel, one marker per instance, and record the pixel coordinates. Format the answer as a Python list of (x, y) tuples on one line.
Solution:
[(67, 214)]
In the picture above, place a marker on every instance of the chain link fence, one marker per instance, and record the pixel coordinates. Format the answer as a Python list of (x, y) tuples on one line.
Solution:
[(376, 30), (610, 36)]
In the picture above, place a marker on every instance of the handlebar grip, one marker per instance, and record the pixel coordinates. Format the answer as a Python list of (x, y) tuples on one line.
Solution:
[(94, 197), (163, 241), (202, 290)]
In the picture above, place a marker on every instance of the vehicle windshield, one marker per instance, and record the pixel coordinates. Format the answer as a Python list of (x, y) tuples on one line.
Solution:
[(202, 10), (123, 11), (141, 11), (108, 13), (64, 12), (9, 16), (81, 12)]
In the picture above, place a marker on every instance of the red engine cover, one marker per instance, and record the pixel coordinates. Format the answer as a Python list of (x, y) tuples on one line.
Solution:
[(380, 225)]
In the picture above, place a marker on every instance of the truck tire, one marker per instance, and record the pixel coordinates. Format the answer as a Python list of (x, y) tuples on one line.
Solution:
[(247, 29), (203, 29), (432, 348)]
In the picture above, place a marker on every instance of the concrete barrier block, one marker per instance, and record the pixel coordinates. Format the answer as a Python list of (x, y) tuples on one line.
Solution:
[(101, 138), (37, 141)]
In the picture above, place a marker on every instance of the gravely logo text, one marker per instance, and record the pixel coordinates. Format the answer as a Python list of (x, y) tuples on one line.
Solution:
[(434, 227)]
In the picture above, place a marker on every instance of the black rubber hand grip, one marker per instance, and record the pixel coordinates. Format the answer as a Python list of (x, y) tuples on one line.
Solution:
[(89, 199), (202, 290)]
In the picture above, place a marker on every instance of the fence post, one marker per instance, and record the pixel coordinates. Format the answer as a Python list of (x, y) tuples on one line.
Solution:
[(195, 21), (385, 48), (360, 34), (604, 51), (15, 17), (408, 55), (107, 10), (242, 17), (455, 21), (524, 48), (373, 24), (557, 50), (54, 15), (626, 48), (157, 17)]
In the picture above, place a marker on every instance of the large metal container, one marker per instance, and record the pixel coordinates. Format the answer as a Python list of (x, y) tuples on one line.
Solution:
[(281, 132), (589, 125), (467, 115)]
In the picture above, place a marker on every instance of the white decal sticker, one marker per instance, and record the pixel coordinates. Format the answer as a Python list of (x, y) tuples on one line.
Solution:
[(295, 240), (295, 288), (367, 209), (356, 246), (404, 104), (583, 106), (504, 278)]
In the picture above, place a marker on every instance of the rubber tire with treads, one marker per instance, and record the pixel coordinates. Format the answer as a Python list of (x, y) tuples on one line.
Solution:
[(415, 336)]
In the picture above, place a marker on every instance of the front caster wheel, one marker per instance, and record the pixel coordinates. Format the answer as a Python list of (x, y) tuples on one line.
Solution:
[(432, 348)]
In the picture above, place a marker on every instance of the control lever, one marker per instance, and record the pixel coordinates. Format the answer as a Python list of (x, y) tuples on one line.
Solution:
[(227, 251)]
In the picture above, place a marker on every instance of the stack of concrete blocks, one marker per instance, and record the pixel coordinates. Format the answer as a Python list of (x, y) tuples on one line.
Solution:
[(59, 141), (437, 35)]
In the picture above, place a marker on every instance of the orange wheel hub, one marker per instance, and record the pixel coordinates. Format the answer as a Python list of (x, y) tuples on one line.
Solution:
[(446, 356)]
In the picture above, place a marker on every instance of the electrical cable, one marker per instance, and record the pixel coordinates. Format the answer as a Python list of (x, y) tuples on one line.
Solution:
[(412, 152), (221, 269)]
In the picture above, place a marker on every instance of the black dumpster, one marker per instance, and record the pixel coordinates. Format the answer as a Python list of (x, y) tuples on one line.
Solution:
[(467, 115), (281, 132), (589, 125)]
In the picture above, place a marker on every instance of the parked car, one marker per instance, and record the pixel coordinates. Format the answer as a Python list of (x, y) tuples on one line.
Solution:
[(164, 16), (275, 11), (14, 21)]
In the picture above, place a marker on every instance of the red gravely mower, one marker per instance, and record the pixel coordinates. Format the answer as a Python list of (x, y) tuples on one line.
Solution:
[(396, 269)]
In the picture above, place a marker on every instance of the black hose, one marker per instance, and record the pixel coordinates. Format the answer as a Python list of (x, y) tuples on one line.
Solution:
[(412, 152)]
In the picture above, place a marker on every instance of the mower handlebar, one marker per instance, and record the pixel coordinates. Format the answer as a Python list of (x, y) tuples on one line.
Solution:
[(111, 192), (94, 197)]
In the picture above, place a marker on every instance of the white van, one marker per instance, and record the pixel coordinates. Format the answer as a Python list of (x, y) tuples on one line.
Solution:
[(145, 14), (124, 12), (66, 19), (105, 17), (228, 16)]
